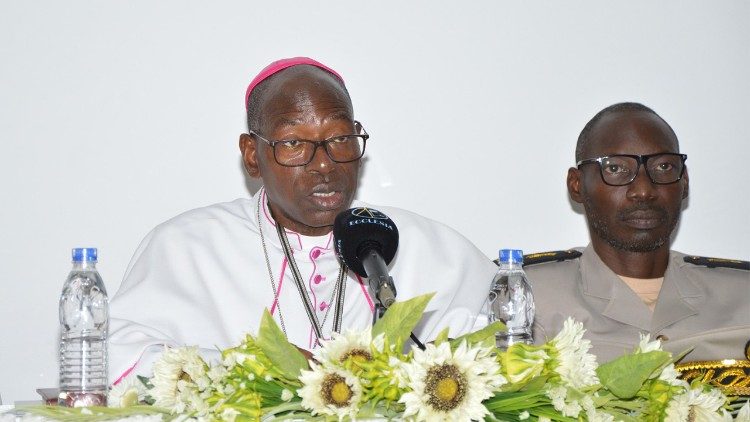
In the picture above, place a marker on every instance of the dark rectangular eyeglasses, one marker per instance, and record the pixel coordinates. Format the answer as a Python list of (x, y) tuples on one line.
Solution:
[(622, 169), (299, 152)]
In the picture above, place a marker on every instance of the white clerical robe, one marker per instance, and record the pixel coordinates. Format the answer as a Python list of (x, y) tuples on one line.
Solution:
[(202, 278)]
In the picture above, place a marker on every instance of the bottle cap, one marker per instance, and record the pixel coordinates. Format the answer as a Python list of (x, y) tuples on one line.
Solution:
[(84, 254), (511, 256)]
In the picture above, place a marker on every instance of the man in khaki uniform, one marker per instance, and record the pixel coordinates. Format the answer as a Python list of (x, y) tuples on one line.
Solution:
[(631, 179)]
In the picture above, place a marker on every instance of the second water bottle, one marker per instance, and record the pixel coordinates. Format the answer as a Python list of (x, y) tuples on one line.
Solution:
[(511, 300)]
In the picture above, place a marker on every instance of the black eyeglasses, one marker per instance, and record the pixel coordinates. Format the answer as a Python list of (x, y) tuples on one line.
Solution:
[(299, 152), (622, 169)]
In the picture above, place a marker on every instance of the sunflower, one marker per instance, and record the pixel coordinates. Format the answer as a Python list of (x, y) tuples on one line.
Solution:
[(449, 385), (353, 346), (330, 391)]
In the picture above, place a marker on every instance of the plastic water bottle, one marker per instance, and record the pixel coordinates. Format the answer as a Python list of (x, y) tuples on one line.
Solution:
[(511, 300), (84, 320)]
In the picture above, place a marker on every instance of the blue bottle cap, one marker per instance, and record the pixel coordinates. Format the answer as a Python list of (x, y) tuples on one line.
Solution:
[(84, 254), (511, 255)]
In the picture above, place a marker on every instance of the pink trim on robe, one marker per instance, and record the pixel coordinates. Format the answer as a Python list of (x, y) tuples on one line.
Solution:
[(310, 281), (129, 370), (126, 373), (330, 238), (297, 235), (311, 339)]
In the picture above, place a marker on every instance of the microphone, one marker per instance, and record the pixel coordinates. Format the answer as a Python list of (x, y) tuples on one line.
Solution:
[(366, 240)]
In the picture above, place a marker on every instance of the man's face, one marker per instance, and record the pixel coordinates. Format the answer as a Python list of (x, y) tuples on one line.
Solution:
[(640, 216), (307, 105)]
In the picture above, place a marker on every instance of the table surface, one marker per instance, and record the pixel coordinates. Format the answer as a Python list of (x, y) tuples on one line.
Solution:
[(8, 413)]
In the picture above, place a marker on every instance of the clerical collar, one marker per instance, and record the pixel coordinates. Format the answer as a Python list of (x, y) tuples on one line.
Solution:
[(297, 241)]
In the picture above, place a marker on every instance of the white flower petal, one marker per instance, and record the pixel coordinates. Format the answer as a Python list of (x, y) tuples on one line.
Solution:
[(704, 405), (744, 413), (645, 346), (479, 369), (312, 385), (128, 392), (335, 349), (575, 365), (168, 380)]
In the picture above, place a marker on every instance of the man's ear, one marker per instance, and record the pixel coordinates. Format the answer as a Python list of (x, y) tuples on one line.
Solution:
[(574, 185), (685, 184), (249, 155)]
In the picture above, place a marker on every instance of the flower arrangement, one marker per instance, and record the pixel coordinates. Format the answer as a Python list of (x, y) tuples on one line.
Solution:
[(365, 375)]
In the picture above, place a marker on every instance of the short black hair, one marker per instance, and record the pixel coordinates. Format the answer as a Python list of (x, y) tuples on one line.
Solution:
[(258, 96), (583, 138)]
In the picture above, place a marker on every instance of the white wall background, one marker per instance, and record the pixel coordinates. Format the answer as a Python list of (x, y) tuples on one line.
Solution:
[(115, 116)]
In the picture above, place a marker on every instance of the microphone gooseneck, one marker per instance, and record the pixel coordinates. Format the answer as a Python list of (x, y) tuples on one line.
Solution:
[(366, 240), (386, 290)]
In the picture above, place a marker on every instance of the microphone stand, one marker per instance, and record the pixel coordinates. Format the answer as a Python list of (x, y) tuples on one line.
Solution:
[(380, 282)]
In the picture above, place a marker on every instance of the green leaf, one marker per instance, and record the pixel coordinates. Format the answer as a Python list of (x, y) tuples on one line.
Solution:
[(625, 376), (146, 381), (441, 337), (282, 354), (679, 356), (401, 318), (625, 418), (486, 335), (536, 383)]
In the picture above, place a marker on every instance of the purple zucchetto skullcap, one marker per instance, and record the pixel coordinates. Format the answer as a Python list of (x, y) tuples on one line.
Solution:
[(282, 64)]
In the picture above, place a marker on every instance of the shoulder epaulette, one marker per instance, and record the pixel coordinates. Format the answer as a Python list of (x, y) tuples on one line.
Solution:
[(557, 256), (718, 262)]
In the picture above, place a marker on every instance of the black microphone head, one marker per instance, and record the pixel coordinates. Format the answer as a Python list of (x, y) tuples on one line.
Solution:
[(358, 230)]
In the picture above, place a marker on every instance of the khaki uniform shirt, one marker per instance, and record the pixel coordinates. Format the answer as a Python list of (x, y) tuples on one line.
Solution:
[(700, 307)]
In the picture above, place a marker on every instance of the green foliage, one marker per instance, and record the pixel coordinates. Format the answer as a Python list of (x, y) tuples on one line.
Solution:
[(259, 379), (400, 319), (442, 336), (506, 406), (485, 336), (625, 375), (284, 355), (145, 381)]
